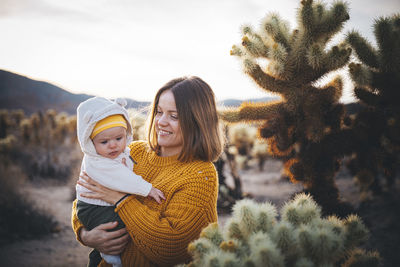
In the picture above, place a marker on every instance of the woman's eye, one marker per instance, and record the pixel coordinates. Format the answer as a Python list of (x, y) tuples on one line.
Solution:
[(175, 117)]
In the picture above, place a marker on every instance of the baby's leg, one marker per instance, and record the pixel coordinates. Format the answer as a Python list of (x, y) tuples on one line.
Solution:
[(94, 258)]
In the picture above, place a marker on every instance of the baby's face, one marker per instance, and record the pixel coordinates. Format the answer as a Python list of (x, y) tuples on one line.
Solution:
[(111, 142)]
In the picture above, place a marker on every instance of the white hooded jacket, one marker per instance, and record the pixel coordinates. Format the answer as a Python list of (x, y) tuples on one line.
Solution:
[(111, 173)]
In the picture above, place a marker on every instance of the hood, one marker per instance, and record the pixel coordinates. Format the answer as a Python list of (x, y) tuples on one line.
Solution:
[(93, 110)]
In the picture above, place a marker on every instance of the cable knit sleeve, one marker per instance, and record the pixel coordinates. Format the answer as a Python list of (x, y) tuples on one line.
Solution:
[(76, 224), (163, 236), (137, 148)]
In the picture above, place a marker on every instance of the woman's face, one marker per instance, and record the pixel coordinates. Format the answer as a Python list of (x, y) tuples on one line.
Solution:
[(169, 134)]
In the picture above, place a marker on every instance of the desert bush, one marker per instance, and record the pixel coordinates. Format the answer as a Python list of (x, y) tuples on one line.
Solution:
[(19, 219), (254, 236), (376, 158), (47, 146)]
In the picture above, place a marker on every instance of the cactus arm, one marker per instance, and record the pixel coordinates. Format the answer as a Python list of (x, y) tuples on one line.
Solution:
[(332, 22), (306, 16), (387, 32), (266, 81), (363, 49), (250, 112), (255, 46), (337, 57), (360, 74), (277, 29), (315, 56), (334, 89), (367, 97)]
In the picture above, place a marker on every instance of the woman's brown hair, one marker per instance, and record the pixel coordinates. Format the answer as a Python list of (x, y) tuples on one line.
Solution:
[(198, 119)]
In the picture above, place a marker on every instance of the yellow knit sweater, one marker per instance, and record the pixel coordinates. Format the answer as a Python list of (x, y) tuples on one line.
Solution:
[(160, 233)]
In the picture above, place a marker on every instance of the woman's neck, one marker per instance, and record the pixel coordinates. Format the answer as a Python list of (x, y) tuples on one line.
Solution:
[(166, 152)]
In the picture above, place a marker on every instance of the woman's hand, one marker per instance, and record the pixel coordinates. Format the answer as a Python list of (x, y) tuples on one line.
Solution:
[(112, 243), (98, 191)]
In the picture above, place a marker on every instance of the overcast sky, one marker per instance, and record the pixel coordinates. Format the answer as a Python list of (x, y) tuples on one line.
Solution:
[(130, 48)]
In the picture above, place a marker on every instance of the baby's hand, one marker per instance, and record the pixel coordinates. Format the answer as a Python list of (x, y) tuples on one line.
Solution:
[(156, 194)]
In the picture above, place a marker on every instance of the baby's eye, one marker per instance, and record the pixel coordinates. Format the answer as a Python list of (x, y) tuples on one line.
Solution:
[(119, 138), (103, 142)]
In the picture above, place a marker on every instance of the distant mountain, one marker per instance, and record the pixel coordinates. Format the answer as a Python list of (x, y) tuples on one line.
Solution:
[(20, 92)]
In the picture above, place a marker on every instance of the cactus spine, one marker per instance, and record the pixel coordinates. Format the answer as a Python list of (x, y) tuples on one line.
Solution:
[(305, 127)]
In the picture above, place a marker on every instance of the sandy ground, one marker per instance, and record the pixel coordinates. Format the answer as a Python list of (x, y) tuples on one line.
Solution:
[(62, 249)]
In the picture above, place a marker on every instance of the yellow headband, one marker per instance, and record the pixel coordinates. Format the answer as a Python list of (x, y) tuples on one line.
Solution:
[(107, 123)]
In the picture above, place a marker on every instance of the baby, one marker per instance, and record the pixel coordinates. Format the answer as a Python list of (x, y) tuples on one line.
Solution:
[(103, 133)]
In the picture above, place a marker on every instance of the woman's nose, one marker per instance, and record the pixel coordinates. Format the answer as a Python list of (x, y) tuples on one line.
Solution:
[(162, 120)]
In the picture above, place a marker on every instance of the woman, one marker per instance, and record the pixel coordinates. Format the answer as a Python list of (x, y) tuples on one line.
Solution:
[(183, 140)]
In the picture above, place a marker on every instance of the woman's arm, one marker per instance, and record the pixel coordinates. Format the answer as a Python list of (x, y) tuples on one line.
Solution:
[(106, 242)]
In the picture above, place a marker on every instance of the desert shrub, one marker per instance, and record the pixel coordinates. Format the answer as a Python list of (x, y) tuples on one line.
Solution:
[(19, 219), (255, 236), (47, 144)]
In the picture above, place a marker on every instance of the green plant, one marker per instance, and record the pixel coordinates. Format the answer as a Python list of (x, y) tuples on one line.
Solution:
[(305, 128), (377, 125), (254, 236)]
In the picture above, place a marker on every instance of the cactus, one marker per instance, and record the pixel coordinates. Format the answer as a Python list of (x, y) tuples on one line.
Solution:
[(254, 236), (377, 126), (305, 127), (43, 139), (228, 194), (138, 122), (4, 123), (260, 152)]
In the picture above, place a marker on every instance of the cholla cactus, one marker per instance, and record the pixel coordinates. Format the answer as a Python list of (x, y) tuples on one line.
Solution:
[(377, 126), (17, 116), (260, 152), (138, 122), (242, 137), (305, 126), (253, 236), (4, 123)]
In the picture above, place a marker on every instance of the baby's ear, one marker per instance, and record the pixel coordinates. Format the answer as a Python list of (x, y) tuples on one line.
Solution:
[(88, 116), (121, 101)]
